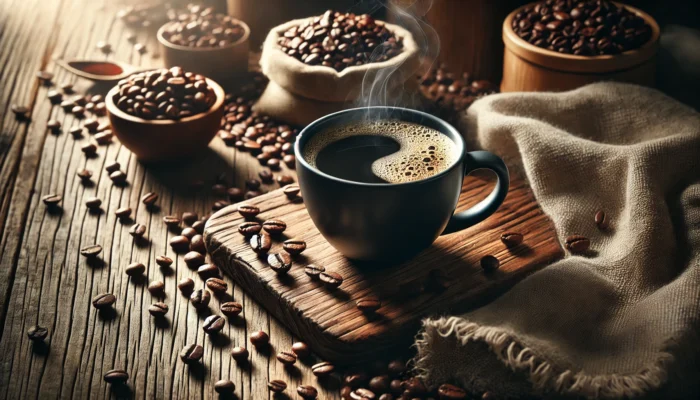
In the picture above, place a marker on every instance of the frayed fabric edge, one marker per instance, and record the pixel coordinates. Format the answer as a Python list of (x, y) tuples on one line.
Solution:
[(545, 377)]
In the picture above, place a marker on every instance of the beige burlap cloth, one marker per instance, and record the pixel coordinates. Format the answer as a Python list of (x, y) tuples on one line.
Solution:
[(621, 321)]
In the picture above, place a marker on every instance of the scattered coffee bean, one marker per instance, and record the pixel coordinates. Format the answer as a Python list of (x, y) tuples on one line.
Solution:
[(396, 368), (137, 230), (314, 271), (235, 194), (197, 244), (118, 177), (231, 308), (259, 339), (44, 76), (164, 261), (53, 125), (277, 386), (76, 132), (294, 246), (213, 324), (356, 379), (577, 244), (266, 176), (78, 111), (290, 161), (224, 386), (248, 211), (54, 96), (91, 125), (140, 48), (67, 105), (281, 263), (194, 259), (123, 213), (252, 184), (252, 194), (90, 149), (67, 88), (490, 263), (37, 333), (395, 386), (273, 164), (415, 387), (93, 203), (217, 285), (286, 357), (180, 244), (52, 200), (191, 353), (219, 190), (202, 27), (345, 392), (291, 191), (198, 226), (284, 180), (157, 288), (511, 239), (149, 199), (207, 271), (104, 47), (200, 298), (261, 243), (451, 392), (188, 232), (331, 279), (218, 205), (249, 228), (368, 304), (171, 221), (451, 95), (307, 392), (240, 354), (301, 349), (158, 309), (135, 268), (116, 376), (20, 112), (112, 167), (362, 394), (186, 285), (189, 218), (601, 220), (323, 368), (274, 226)]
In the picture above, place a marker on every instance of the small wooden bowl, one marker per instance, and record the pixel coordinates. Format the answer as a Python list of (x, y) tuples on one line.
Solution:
[(160, 140), (528, 68), (222, 64)]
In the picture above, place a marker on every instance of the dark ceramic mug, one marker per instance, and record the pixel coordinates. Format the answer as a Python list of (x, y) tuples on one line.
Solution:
[(393, 221)]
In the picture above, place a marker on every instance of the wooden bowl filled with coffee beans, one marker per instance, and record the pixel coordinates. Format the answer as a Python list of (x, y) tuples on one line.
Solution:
[(165, 114), (204, 42), (558, 45)]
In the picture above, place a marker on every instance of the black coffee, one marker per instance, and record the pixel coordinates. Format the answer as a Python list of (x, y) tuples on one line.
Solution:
[(381, 152)]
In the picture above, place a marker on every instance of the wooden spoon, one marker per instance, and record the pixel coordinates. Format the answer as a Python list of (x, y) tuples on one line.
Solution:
[(103, 71)]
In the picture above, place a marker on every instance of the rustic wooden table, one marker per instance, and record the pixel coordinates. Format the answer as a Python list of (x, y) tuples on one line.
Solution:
[(43, 278)]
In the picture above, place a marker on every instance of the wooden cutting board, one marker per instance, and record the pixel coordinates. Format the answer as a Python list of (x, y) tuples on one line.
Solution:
[(329, 321)]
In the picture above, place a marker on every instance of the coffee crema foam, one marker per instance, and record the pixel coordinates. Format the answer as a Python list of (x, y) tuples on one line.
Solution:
[(423, 151)]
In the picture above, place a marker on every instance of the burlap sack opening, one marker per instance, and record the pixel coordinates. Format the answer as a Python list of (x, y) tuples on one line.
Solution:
[(299, 93)]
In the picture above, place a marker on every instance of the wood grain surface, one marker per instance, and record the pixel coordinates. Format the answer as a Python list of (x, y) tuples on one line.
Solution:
[(330, 321)]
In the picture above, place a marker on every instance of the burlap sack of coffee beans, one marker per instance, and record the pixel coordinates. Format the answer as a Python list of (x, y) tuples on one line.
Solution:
[(621, 320), (299, 93)]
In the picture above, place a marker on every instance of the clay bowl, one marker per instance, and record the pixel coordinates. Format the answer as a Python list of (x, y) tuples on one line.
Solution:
[(222, 64), (160, 140), (528, 68)]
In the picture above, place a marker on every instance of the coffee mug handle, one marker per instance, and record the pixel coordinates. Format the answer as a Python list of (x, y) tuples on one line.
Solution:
[(481, 160)]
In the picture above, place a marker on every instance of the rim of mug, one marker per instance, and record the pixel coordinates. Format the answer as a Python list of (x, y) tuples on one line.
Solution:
[(459, 142)]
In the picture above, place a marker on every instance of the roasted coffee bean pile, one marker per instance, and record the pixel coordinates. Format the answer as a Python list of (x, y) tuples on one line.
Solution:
[(451, 93), (586, 28), (164, 94), (338, 41), (199, 26)]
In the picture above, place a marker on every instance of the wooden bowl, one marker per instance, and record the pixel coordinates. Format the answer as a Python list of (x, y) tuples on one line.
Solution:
[(222, 64), (160, 140), (528, 68)]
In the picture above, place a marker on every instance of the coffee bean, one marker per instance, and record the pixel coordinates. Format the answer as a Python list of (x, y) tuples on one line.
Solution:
[(53, 125), (191, 353), (44, 76), (577, 244), (281, 263), (235, 194), (368, 304), (231, 308), (91, 251), (52, 200), (601, 220), (379, 384), (273, 164), (252, 194), (284, 180), (135, 268), (198, 227), (307, 392), (291, 191), (249, 228), (301, 349), (194, 259), (186, 285), (277, 386), (158, 309), (294, 246), (37, 333), (451, 392), (331, 279), (207, 271), (137, 230), (224, 386), (396, 368), (274, 226), (116, 376), (345, 392), (19, 111), (93, 203), (118, 177), (218, 190), (511, 239), (415, 387), (112, 167), (188, 232), (54, 96), (362, 394), (287, 357), (248, 211), (149, 199), (180, 244), (213, 324), (217, 285), (252, 184), (171, 221), (164, 261), (261, 243), (290, 161), (90, 149), (323, 368), (104, 47), (200, 298), (356, 379), (395, 386), (189, 218), (91, 125), (240, 354), (157, 288), (202, 27), (490, 263), (259, 339), (266, 176), (314, 271), (197, 244)]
